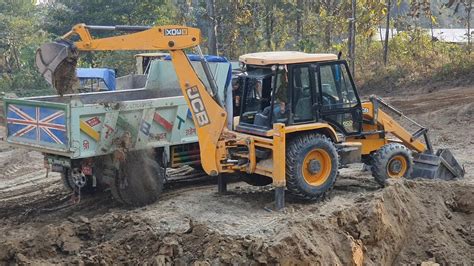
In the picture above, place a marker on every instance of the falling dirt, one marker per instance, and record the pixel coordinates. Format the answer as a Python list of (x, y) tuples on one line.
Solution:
[(408, 222), (65, 78)]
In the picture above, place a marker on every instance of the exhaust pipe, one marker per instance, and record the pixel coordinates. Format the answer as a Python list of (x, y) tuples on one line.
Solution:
[(56, 62)]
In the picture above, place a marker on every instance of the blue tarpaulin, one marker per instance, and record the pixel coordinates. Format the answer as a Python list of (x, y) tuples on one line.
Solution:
[(105, 74)]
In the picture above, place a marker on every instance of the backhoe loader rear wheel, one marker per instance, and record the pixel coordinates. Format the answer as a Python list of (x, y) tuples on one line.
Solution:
[(393, 160), (311, 166), (139, 181)]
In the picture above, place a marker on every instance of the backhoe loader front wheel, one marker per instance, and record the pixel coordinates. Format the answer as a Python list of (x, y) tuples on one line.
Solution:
[(311, 166), (393, 160)]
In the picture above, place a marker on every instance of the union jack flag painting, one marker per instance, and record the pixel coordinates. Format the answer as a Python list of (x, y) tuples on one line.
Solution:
[(41, 125)]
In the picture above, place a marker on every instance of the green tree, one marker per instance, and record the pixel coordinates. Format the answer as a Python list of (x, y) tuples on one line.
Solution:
[(467, 5), (20, 36), (59, 16)]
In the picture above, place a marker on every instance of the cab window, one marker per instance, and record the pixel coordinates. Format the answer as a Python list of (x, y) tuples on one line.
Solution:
[(281, 103), (256, 96), (336, 89), (302, 101)]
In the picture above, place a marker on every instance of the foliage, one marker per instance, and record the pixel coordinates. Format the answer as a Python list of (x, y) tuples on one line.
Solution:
[(245, 26), (20, 36), (414, 58), (61, 15)]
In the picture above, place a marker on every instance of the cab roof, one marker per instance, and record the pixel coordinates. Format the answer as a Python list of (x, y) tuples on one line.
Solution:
[(284, 57)]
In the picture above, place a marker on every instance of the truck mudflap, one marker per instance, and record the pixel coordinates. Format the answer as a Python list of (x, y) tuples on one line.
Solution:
[(441, 165), (37, 125)]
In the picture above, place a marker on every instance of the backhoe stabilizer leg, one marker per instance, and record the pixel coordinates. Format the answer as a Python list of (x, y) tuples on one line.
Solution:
[(279, 198), (221, 184)]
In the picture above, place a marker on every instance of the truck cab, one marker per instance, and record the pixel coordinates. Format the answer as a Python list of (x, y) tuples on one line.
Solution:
[(96, 79)]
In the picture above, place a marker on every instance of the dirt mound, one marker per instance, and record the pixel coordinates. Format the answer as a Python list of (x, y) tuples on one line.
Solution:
[(407, 222)]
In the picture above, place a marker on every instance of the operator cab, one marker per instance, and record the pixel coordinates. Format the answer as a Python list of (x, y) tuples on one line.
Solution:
[(297, 88)]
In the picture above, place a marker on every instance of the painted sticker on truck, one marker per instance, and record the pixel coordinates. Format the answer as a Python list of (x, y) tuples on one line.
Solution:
[(37, 124)]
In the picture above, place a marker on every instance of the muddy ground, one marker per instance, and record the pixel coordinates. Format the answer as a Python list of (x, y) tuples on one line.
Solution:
[(360, 223)]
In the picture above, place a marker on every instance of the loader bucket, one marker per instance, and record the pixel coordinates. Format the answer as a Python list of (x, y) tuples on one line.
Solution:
[(441, 165), (56, 61)]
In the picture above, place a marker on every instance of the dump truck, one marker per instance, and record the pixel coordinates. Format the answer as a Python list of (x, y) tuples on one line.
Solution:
[(301, 118), (76, 132)]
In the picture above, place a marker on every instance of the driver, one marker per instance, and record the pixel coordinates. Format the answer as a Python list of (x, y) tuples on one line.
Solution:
[(280, 107)]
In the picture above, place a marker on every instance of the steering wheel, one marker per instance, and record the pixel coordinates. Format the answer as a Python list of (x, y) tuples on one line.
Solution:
[(328, 99)]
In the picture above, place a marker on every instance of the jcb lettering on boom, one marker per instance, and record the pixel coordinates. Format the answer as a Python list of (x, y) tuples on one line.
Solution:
[(197, 106)]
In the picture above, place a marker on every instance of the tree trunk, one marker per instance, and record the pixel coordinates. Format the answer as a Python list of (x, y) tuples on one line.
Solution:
[(387, 32), (352, 37), (469, 37), (269, 25), (212, 30), (327, 35), (299, 21)]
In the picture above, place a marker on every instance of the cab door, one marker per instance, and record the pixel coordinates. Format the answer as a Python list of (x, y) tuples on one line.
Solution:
[(339, 104)]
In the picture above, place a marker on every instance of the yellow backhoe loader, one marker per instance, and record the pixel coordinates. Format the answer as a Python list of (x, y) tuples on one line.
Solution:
[(301, 117)]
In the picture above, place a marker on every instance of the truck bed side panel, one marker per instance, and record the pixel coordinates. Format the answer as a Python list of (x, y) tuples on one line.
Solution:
[(99, 129)]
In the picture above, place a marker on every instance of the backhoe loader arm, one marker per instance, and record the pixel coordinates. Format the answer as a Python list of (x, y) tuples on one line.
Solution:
[(372, 112), (209, 117), (171, 37)]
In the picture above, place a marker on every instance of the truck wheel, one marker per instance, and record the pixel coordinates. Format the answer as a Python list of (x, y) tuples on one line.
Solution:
[(393, 160), (255, 179), (139, 181), (73, 178), (311, 166)]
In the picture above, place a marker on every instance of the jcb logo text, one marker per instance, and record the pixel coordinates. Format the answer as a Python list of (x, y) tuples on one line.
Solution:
[(197, 106), (176, 32)]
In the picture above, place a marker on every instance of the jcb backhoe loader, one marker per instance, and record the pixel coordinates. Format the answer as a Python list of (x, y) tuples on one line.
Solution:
[(301, 117)]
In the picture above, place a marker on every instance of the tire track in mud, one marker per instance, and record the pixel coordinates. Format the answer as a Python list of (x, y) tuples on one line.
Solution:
[(19, 162)]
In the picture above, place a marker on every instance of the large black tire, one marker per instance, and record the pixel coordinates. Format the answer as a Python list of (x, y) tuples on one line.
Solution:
[(392, 160), (139, 181), (255, 179), (88, 186), (311, 166)]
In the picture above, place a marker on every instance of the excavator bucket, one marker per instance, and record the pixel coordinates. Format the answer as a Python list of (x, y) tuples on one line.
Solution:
[(56, 61), (441, 165)]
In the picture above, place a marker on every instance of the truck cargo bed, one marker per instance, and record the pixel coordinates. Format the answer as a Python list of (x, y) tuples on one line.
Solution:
[(92, 124)]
